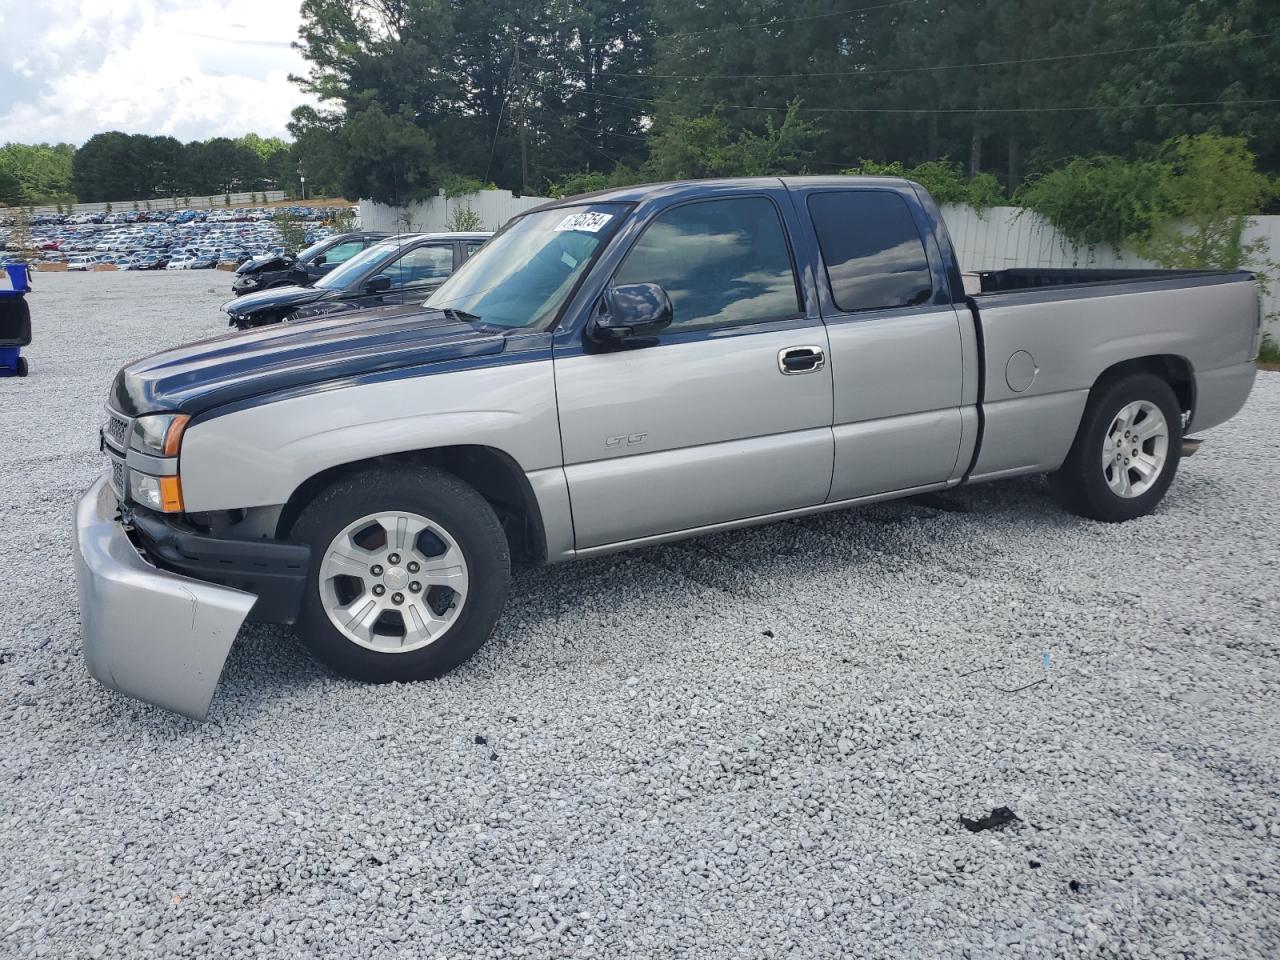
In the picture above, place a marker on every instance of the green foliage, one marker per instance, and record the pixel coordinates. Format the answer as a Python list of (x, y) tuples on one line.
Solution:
[(1269, 352), (463, 218), (43, 171), (390, 159), (1094, 201), (10, 189), (1209, 188), (293, 232), (688, 148), (458, 185), (344, 221), (592, 181), (946, 181)]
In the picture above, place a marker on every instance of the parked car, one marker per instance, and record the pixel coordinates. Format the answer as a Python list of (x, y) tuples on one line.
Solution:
[(265, 273), (87, 263), (610, 371), (398, 270)]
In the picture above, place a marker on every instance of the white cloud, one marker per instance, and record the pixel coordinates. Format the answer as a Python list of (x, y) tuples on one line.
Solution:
[(192, 69)]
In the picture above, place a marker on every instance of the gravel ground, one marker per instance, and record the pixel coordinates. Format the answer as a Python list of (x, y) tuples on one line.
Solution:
[(753, 745)]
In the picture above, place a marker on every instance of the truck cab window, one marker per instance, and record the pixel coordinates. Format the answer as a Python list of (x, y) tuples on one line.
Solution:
[(872, 250), (722, 262)]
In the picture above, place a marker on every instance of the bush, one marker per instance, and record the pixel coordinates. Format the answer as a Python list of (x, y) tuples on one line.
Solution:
[(1209, 188), (591, 181), (1270, 350), (1098, 200), (945, 180), (463, 219)]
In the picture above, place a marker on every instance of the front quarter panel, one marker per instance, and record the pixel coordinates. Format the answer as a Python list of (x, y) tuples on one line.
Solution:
[(259, 453)]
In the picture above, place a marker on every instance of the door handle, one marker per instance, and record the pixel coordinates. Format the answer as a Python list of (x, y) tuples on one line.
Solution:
[(793, 360)]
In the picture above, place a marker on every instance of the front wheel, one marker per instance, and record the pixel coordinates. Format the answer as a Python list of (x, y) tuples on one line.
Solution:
[(1126, 451), (409, 574)]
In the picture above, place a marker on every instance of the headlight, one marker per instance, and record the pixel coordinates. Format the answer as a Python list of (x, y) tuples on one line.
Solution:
[(159, 435), (163, 494)]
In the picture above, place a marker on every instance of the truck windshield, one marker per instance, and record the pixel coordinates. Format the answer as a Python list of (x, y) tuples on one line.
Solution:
[(340, 276), (522, 276)]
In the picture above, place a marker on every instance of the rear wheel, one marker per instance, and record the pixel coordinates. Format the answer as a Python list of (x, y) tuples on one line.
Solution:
[(1126, 451), (22, 366), (409, 573)]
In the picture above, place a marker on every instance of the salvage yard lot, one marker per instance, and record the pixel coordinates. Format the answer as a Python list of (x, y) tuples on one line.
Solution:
[(756, 744)]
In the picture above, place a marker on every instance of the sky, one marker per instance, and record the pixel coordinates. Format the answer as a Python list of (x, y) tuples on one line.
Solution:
[(192, 69)]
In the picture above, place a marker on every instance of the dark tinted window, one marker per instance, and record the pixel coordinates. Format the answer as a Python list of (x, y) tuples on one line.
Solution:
[(722, 262), (872, 249)]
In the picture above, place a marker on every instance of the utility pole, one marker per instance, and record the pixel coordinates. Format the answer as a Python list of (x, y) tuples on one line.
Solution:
[(518, 82)]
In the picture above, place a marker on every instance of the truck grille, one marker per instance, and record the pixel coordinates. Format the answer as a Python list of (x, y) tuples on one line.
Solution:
[(117, 430), (115, 433), (117, 478)]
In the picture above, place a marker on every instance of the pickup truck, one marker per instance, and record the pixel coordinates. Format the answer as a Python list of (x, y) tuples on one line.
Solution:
[(610, 371)]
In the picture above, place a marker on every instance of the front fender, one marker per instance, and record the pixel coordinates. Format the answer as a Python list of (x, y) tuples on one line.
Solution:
[(260, 451)]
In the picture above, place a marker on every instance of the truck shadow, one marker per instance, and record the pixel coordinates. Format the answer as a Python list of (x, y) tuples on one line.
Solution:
[(730, 572)]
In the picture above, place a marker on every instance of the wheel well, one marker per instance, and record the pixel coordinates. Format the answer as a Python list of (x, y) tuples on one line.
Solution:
[(493, 474), (1174, 370)]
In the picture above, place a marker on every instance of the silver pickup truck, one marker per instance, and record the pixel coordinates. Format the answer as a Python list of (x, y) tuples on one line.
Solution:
[(611, 371)]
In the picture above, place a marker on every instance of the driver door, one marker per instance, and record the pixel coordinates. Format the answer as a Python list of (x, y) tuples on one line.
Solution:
[(709, 421)]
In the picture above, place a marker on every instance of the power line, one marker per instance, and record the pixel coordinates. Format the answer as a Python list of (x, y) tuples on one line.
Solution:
[(929, 69), (938, 110), (773, 23)]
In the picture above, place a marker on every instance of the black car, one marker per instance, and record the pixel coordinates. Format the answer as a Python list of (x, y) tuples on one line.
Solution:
[(397, 270), (285, 270)]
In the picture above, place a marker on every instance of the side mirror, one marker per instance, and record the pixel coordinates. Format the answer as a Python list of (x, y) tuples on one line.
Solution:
[(318, 261), (631, 310), (377, 284)]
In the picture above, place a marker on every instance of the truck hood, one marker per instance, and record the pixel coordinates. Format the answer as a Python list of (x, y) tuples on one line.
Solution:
[(275, 297), (198, 376), (270, 261)]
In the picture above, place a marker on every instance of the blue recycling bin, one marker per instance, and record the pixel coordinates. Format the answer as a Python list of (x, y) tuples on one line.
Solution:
[(15, 318)]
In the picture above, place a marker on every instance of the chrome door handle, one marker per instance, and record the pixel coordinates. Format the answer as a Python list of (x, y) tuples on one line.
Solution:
[(793, 360)]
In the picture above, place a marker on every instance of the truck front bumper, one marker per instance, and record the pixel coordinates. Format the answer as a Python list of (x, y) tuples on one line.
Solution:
[(148, 633)]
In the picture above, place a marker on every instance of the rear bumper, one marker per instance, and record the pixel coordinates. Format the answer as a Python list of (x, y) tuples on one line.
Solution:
[(1221, 393), (148, 633)]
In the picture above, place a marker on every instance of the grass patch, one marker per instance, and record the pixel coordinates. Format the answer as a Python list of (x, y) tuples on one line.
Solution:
[(1269, 353)]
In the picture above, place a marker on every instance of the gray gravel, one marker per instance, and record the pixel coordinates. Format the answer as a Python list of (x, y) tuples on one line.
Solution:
[(754, 745)]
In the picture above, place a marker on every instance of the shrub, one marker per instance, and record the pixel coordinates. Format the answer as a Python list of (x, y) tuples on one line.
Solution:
[(463, 219), (1209, 188), (1098, 200), (945, 180)]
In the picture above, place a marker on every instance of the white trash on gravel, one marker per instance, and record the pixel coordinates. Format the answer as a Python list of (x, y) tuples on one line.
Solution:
[(758, 744)]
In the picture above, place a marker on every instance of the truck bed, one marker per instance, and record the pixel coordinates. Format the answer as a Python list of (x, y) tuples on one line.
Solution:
[(1029, 278)]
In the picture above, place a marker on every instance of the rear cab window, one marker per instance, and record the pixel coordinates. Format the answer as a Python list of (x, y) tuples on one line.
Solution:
[(874, 256)]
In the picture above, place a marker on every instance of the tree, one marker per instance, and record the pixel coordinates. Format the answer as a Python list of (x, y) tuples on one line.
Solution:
[(1210, 188), (1214, 56), (43, 170), (10, 189), (390, 158)]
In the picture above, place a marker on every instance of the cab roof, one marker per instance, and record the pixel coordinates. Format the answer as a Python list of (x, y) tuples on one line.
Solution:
[(687, 188)]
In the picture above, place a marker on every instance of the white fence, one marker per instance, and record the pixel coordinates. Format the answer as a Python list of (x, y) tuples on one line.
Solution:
[(494, 208), (1003, 237), (169, 203), (994, 239)]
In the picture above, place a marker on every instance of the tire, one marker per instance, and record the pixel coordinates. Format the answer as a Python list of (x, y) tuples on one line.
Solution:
[(452, 511), (1090, 487), (23, 370)]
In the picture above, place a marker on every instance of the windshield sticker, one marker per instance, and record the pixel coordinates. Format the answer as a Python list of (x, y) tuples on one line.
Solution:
[(587, 222)]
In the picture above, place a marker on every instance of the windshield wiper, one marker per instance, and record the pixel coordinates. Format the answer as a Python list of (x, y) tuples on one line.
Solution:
[(460, 316)]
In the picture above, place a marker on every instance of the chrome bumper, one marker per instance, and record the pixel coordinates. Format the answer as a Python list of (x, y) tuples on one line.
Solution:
[(149, 634)]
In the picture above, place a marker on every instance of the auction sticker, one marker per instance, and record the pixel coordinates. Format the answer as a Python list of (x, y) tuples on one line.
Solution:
[(587, 222)]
